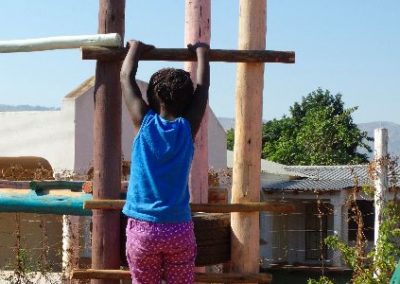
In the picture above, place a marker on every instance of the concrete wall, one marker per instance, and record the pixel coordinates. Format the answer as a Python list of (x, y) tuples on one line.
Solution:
[(83, 156)]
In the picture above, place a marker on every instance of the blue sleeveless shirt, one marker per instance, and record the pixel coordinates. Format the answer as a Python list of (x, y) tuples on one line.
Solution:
[(162, 154)]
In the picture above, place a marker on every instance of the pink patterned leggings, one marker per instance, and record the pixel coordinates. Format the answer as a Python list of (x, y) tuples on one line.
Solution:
[(158, 251)]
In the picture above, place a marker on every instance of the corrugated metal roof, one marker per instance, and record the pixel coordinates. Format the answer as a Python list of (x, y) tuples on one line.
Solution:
[(330, 172), (310, 184), (268, 167), (326, 178)]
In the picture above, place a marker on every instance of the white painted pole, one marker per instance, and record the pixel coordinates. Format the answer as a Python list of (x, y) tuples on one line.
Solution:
[(70, 244), (381, 181), (60, 42)]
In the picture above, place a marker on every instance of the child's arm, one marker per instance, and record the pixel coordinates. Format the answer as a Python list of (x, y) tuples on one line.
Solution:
[(137, 107), (198, 106)]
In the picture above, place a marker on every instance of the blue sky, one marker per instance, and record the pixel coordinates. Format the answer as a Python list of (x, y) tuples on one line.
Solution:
[(351, 47)]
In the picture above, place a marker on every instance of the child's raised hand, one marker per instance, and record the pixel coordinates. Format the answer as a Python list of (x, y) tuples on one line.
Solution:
[(139, 46), (195, 46)]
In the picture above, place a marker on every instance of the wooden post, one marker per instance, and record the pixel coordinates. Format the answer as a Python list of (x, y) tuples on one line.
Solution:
[(381, 181), (247, 147), (107, 145), (197, 28)]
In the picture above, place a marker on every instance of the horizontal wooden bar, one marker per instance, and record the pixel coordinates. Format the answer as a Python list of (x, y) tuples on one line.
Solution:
[(104, 204), (60, 42), (87, 186), (243, 207), (183, 54), (109, 204), (199, 277), (58, 202), (15, 184), (56, 184)]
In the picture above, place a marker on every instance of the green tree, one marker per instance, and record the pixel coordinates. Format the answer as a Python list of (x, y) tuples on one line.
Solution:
[(230, 139), (318, 131)]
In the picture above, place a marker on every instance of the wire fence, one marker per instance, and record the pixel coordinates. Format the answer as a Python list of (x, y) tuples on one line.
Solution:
[(36, 247), (40, 248), (44, 248)]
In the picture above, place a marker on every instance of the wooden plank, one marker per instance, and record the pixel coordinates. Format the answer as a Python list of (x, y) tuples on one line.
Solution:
[(199, 277), (56, 184), (107, 204), (30, 202), (242, 207), (15, 184), (60, 42), (183, 54)]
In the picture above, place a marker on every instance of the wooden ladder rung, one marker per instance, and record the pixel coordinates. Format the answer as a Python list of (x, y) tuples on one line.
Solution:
[(199, 277), (183, 54), (110, 204)]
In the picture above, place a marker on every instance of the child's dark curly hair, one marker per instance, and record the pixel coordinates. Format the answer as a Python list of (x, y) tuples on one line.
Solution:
[(172, 88)]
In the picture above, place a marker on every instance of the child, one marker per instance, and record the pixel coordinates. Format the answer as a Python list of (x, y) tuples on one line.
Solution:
[(160, 238)]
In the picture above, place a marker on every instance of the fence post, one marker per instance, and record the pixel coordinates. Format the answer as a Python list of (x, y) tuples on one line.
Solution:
[(381, 176)]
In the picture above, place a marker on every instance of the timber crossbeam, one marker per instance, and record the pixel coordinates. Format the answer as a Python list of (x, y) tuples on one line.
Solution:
[(183, 54), (109, 204), (199, 277)]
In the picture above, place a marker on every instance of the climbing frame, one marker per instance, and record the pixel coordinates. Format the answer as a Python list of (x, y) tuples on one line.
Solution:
[(107, 140)]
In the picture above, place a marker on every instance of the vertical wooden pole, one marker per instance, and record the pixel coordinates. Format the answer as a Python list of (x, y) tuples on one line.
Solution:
[(197, 28), (247, 147), (381, 182), (107, 145)]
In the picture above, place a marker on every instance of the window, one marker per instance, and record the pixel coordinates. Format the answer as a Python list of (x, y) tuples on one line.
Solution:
[(316, 230), (368, 216)]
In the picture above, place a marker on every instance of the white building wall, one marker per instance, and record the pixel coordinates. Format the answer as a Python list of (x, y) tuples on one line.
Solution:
[(65, 137), (216, 143), (84, 130), (47, 134), (84, 106)]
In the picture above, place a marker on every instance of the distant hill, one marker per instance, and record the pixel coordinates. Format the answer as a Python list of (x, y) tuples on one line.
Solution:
[(4, 108), (393, 129), (226, 122)]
